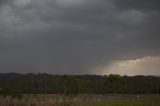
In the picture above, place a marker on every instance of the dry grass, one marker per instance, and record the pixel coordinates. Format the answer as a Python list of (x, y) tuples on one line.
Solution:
[(81, 100)]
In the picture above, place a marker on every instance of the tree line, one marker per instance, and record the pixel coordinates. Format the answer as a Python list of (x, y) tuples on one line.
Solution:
[(13, 83)]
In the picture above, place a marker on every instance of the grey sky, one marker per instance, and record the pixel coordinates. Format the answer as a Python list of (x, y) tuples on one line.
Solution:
[(78, 36)]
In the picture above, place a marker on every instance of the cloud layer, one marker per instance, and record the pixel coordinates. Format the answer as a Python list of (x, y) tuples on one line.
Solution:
[(76, 36), (142, 66)]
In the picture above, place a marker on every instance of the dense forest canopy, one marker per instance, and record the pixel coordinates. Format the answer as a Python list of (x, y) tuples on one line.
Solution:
[(77, 84)]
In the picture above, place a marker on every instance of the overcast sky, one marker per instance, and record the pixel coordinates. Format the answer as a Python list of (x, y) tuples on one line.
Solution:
[(80, 36)]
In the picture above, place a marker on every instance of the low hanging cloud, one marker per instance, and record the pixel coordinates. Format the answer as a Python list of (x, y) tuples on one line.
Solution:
[(142, 66), (77, 36)]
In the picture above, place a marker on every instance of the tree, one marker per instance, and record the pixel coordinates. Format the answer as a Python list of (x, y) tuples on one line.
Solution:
[(114, 84), (70, 85)]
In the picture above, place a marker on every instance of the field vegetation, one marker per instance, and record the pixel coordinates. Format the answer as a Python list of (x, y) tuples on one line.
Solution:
[(78, 90), (81, 100)]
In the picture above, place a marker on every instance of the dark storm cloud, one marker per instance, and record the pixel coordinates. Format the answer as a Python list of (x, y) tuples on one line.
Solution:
[(74, 36), (146, 5), (4, 2)]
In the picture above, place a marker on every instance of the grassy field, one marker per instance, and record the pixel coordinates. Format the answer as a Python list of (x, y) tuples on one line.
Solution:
[(81, 100)]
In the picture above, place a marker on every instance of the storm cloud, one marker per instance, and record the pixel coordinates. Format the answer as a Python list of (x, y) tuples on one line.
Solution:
[(77, 36)]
